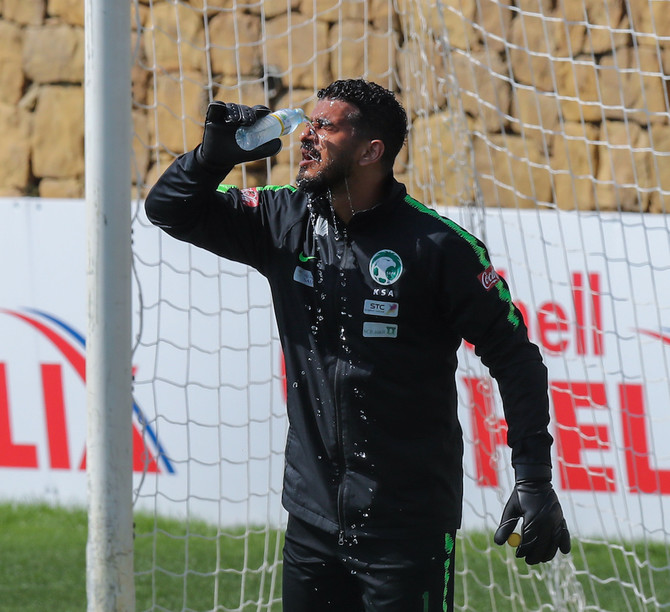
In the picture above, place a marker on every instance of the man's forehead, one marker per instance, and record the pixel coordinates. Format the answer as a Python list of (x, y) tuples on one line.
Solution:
[(334, 111)]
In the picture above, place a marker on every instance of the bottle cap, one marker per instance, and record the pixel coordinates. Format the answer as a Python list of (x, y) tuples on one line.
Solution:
[(514, 539)]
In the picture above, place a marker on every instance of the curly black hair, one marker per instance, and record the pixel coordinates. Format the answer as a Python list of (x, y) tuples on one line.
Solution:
[(381, 115)]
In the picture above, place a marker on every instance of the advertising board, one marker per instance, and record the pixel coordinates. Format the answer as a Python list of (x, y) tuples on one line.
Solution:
[(208, 406)]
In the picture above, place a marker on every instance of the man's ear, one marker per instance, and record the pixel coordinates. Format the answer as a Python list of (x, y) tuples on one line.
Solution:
[(372, 153)]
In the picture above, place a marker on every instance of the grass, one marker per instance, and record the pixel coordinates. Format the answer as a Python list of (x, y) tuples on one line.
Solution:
[(43, 563), (42, 559), (195, 567), (198, 567)]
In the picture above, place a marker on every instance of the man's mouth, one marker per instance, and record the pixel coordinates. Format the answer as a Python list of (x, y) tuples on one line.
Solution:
[(309, 155)]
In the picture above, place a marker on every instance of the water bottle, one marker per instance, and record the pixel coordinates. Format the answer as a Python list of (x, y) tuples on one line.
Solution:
[(271, 126)]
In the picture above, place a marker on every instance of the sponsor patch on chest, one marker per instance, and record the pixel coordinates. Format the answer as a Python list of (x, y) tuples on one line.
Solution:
[(304, 277), (380, 308), (372, 329)]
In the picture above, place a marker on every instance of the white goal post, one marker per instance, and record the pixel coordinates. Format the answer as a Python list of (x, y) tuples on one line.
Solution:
[(543, 126), (109, 550)]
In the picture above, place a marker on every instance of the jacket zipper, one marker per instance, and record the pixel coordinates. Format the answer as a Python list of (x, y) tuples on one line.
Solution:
[(338, 413), (341, 463)]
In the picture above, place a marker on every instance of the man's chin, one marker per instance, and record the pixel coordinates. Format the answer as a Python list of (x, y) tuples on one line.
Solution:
[(309, 184)]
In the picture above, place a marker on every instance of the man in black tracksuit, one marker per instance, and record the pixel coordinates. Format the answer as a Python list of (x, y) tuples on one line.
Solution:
[(373, 294)]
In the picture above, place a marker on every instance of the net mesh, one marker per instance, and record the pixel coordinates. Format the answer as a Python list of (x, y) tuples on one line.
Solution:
[(543, 127)]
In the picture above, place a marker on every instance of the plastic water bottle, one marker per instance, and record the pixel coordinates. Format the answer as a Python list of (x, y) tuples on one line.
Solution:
[(271, 126)]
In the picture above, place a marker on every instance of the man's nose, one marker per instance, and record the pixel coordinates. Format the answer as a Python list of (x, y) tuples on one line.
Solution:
[(307, 133)]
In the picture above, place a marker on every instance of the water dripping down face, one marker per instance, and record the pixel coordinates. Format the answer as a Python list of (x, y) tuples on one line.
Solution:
[(327, 143)]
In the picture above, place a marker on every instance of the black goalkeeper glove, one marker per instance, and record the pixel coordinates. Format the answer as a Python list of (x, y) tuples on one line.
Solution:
[(218, 151), (544, 530)]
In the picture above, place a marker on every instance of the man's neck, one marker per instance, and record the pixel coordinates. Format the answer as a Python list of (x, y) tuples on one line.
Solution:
[(357, 195)]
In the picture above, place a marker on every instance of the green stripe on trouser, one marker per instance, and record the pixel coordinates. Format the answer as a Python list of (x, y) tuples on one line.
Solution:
[(448, 550)]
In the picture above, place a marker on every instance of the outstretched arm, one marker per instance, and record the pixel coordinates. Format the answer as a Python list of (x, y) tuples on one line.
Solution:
[(487, 317)]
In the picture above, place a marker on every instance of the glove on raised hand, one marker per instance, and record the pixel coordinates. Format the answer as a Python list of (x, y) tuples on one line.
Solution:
[(544, 529), (218, 151)]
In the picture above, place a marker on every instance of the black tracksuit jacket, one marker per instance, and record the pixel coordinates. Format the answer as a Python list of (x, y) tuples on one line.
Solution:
[(370, 317)]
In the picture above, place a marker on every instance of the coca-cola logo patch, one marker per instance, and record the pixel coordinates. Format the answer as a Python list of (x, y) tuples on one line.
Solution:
[(250, 197), (488, 278)]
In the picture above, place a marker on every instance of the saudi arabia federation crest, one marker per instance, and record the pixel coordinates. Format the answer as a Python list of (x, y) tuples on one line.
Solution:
[(385, 267)]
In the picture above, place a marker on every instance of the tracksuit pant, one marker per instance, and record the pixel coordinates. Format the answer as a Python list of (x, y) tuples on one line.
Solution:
[(322, 574)]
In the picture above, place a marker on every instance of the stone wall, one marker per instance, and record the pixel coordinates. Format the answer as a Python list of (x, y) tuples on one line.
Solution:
[(564, 102)]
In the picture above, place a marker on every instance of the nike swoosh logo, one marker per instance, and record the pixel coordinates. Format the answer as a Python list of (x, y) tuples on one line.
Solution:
[(302, 257)]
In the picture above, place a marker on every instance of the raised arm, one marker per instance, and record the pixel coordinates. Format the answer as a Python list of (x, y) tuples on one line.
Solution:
[(185, 202)]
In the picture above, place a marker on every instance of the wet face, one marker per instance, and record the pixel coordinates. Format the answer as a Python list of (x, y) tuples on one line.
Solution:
[(328, 147)]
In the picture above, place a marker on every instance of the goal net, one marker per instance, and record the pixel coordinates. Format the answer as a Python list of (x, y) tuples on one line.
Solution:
[(542, 126)]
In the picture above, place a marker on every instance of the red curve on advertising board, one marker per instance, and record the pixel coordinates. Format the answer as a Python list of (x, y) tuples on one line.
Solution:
[(665, 338), (143, 459)]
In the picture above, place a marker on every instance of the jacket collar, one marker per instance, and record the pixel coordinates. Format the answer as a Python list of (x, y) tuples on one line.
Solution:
[(394, 192)]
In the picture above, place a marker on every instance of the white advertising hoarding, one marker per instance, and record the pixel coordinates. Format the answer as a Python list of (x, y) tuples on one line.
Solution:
[(208, 401)]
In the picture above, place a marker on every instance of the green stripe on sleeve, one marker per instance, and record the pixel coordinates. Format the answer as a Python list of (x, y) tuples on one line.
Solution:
[(503, 292), (223, 188)]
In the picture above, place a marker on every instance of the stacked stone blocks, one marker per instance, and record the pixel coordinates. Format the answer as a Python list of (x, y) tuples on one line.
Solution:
[(551, 104)]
